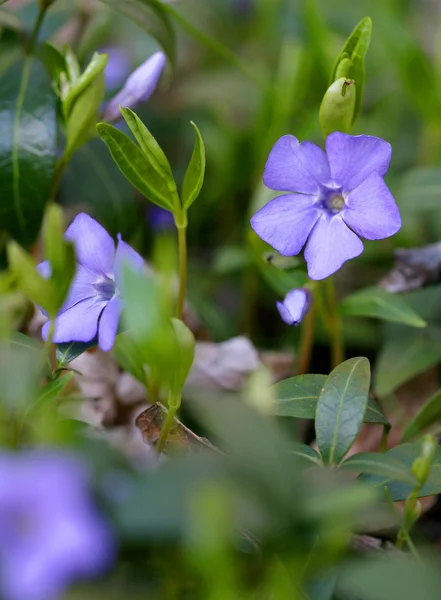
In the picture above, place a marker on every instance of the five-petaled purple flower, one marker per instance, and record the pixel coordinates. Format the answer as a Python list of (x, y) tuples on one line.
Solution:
[(295, 306), (94, 303), (138, 88), (337, 197), (50, 533)]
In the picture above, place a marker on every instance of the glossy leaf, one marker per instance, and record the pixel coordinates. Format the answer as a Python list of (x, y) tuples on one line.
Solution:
[(406, 454), (66, 353), (298, 396), (341, 408), (28, 148), (377, 303), (194, 176), (355, 50), (152, 150), (406, 356), (151, 16), (379, 464), (133, 163), (427, 415)]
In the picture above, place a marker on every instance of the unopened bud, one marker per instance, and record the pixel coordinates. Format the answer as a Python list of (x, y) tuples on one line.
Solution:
[(338, 106), (421, 466)]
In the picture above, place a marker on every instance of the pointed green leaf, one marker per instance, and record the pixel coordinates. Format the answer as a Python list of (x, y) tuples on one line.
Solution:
[(66, 353), (133, 163), (427, 415), (28, 149), (377, 303), (194, 177), (50, 392), (341, 408), (307, 453), (379, 464), (95, 68)]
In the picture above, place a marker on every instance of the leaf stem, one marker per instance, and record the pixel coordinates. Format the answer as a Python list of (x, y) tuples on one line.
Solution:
[(36, 29), (306, 342), (182, 242), (174, 402), (337, 345)]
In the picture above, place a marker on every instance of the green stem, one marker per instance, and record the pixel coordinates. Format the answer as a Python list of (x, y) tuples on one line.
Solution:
[(182, 241), (48, 343), (306, 342), (384, 436), (337, 346), (213, 45), (36, 30), (174, 403)]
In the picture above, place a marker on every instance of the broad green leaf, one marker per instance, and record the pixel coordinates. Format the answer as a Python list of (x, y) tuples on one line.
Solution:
[(28, 149), (129, 357), (53, 60), (151, 16), (377, 303), (406, 356), (194, 176), (421, 189), (66, 353), (379, 464), (133, 163), (93, 70), (152, 150), (405, 454), (341, 408), (298, 396), (355, 50), (427, 415)]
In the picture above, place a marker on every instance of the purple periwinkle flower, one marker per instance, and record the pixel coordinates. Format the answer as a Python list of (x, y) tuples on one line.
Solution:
[(50, 532), (334, 198), (94, 302), (138, 88), (295, 306)]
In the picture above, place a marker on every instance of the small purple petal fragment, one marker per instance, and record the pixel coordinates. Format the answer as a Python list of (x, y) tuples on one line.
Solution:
[(138, 88), (371, 210), (95, 249), (296, 167), (330, 244), (78, 323), (117, 68), (160, 219), (286, 222), (108, 325), (353, 158), (295, 306)]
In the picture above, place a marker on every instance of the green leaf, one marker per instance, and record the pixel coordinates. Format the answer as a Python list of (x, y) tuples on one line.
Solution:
[(428, 414), (355, 50), (379, 464), (377, 303), (186, 345), (298, 396), (152, 150), (128, 356), (93, 70), (406, 454), (50, 392), (151, 16), (406, 356), (341, 408), (194, 176), (66, 353), (133, 163), (28, 150), (307, 453)]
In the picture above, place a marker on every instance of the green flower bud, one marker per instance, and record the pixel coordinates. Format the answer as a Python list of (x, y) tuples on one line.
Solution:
[(338, 106), (343, 68), (421, 466)]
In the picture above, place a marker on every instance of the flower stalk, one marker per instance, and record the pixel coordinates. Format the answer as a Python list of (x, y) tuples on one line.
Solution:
[(182, 248), (337, 343), (306, 342)]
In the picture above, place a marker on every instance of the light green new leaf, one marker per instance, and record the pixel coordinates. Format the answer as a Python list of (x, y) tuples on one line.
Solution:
[(378, 303), (133, 163), (341, 408), (194, 177), (95, 68), (128, 356), (186, 345), (152, 151), (427, 415)]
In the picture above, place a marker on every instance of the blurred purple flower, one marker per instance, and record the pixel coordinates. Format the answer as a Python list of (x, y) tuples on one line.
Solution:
[(138, 88), (338, 196), (295, 306), (50, 532), (94, 303), (118, 67), (160, 219)]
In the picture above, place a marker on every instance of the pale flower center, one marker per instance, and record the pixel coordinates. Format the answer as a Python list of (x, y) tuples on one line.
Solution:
[(105, 288), (336, 203)]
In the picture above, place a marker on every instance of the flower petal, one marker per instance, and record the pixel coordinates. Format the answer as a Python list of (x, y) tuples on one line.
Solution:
[(296, 167), (354, 157), (94, 247), (125, 255), (295, 306), (286, 222), (138, 88), (371, 210), (77, 324), (108, 325), (330, 244)]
